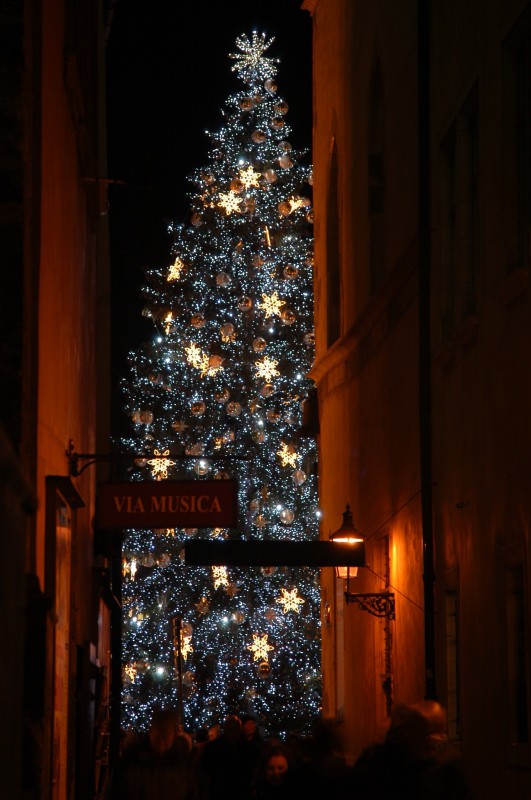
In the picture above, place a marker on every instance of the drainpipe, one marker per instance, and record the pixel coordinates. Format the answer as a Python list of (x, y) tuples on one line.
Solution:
[(425, 405)]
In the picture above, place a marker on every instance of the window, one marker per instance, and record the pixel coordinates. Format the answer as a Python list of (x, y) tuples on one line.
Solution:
[(517, 667), (460, 217), (333, 256), (384, 637), (452, 665), (517, 143), (376, 183)]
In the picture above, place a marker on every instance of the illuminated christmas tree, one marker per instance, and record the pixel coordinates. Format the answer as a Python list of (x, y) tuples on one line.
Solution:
[(217, 394)]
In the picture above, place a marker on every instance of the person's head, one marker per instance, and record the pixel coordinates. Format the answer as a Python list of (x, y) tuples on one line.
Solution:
[(249, 727), (163, 730), (232, 728), (411, 731), (275, 764)]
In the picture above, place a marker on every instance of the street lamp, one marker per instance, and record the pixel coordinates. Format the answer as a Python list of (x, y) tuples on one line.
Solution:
[(379, 604)]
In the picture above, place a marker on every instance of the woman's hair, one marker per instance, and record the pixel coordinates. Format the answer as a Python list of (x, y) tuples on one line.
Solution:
[(274, 749)]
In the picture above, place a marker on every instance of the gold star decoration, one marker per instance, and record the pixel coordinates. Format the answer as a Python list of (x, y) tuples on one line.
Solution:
[(179, 425), (167, 322), (176, 270), (232, 590), (229, 201), (249, 177), (266, 369), (219, 574), (203, 606), (251, 63), (260, 647), (201, 361), (131, 671), (296, 202), (186, 645), (271, 305), (288, 456), (290, 600), (159, 465), (260, 521)]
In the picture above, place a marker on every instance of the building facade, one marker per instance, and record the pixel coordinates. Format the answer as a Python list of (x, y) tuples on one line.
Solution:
[(54, 391), (422, 194)]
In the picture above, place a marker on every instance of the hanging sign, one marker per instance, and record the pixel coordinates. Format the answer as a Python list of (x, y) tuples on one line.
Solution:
[(167, 504)]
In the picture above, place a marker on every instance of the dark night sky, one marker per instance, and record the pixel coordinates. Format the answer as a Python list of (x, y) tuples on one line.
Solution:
[(168, 77)]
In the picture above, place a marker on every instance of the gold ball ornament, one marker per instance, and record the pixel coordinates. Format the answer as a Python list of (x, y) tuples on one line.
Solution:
[(136, 416), (201, 467), (267, 390), (221, 475), (259, 344), (272, 416), (268, 571), (287, 516), (270, 175), (222, 396), (281, 107), (290, 272), (207, 178), (238, 617), (227, 330), (196, 449), (285, 162), (284, 208), (246, 103), (258, 437), (245, 303), (234, 409), (286, 146), (198, 320), (309, 217), (288, 317), (277, 123), (264, 669), (188, 678), (270, 86), (258, 136), (198, 408), (196, 219), (299, 477), (309, 338), (237, 185), (215, 361), (223, 279)]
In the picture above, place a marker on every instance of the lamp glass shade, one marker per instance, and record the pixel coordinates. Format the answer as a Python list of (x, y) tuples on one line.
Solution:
[(347, 533)]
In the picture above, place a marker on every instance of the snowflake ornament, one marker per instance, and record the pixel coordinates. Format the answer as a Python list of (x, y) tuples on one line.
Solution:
[(251, 64), (267, 369), (159, 465), (290, 600), (260, 647), (249, 177), (176, 270), (230, 202), (220, 577), (271, 305)]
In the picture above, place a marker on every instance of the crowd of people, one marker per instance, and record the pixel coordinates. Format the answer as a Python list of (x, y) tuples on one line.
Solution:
[(234, 762)]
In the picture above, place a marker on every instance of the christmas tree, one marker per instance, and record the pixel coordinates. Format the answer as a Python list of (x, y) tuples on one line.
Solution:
[(217, 394)]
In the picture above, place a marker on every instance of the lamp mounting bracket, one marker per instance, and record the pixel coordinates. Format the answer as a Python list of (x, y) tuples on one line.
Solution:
[(379, 604)]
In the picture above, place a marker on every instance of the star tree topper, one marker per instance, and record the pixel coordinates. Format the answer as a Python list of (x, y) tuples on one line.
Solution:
[(251, 65)]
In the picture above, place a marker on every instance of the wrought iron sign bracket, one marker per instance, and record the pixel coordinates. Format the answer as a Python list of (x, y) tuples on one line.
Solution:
[(379, 604)]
